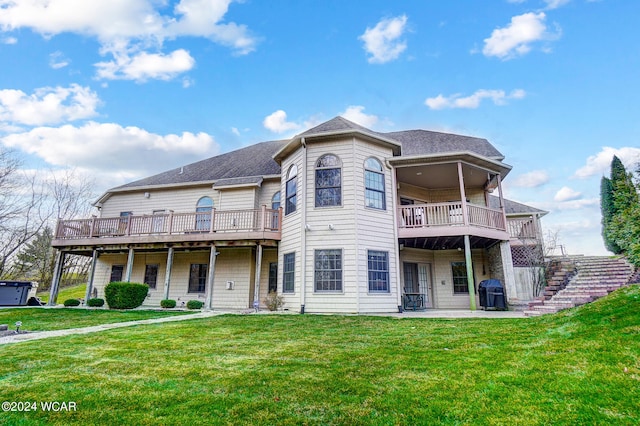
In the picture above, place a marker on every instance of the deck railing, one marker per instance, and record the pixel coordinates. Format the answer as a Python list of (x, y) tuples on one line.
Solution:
[(449, 214), (523, 228), (264, 219)]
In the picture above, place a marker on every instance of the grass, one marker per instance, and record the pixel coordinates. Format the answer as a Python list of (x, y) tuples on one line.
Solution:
[(43, 319), (577, 367), (73, 292)]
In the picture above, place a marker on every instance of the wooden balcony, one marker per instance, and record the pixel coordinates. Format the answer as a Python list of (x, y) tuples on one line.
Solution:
[(171, 227), (450, 219)]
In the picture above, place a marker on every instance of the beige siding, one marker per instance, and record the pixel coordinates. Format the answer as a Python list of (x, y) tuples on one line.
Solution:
[(180, 200), (266, 193), (268, 256), (425, 195), (238, 198)]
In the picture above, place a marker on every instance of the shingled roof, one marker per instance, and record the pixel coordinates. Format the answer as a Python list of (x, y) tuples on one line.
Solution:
[(257, 160), (513, 207), (254, 160)]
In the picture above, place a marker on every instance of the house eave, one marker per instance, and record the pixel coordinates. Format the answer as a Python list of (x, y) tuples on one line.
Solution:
[(452, 157)]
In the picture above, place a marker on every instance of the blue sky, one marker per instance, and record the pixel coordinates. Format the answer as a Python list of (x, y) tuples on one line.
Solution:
[(123, 89)]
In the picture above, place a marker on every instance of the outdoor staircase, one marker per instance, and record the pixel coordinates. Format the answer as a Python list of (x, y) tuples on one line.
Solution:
[(576, 280)]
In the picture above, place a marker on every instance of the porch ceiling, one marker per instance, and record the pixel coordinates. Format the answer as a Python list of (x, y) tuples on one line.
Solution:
[(447, 242), (441, 175)]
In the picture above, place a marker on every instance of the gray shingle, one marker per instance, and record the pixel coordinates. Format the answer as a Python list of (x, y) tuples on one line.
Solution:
[(513, 207), (425, 142)]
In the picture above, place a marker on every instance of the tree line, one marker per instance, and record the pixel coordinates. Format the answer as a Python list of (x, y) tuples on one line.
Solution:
[(620, 205), (31, 202)]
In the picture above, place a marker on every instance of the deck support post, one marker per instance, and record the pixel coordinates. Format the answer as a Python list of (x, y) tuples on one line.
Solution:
[(92, 274), (463, 196), (127, 276), (256, 287), (210, 276), (57, 276), (470, 281), (167, 274)]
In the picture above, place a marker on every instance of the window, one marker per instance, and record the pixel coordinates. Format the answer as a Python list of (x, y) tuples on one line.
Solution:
[(203, 214), (328, 270), (116, 273), (328, 181), (460, 281), (275, 201), (378, 266), (197, 277), (289, 273), (151, 275), (292, 190), (273, 277), (374, 195)]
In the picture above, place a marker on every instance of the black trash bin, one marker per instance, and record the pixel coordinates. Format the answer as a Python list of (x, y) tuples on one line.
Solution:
[(491, 294), (14, 293)]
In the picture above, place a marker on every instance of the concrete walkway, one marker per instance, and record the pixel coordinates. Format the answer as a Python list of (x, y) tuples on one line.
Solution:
[(433, 313)]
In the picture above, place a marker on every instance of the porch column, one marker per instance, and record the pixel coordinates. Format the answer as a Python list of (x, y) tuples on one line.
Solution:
[(256, 287), (92, 274), (167, 274), (57, 275), (210, 275), (463, 196), (127, 276), (470, 282), (509, 274), (504, 213)]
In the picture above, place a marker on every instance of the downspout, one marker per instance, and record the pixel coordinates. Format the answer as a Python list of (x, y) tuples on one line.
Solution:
[(355, 223), (303, 286)]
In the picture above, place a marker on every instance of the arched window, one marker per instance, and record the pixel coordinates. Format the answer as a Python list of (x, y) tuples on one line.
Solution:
[(374, 184), (328, 181), (291, 190), (275, 201), (203, 213)]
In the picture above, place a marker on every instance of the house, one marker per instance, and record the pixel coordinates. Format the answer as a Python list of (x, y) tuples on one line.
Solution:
[(339, 218)]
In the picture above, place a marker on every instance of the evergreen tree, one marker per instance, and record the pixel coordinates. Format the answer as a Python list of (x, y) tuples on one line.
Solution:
[(35, 261), (607, 209)]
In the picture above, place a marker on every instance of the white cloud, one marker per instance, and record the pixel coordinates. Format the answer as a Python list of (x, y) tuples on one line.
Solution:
[(9, 40), (355, 113), (567, 194), (109, 148), (554, 4), (499, 97), (277, 122), (57, 60), (143, 66), (600, 164), (383, 42), (47, 105), (135, 26), (516, 38), (531, 179)]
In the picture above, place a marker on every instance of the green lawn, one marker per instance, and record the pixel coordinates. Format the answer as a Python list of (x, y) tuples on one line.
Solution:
[(578, 367), (41, 319), (73, 292)]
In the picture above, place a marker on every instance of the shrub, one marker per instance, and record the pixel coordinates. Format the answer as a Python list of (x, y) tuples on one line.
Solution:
[(95, 302), (274, 301), (71, 302), (168, 303), (194, 304), (122, 295)]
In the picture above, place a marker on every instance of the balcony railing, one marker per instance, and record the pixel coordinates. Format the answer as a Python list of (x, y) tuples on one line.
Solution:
[(258, 220), (449, 214), (523, 228)]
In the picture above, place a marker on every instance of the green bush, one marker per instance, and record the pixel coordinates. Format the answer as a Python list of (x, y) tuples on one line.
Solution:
[(122, 295), (168, 303), (194, 304), (71, 302), (95, 302)]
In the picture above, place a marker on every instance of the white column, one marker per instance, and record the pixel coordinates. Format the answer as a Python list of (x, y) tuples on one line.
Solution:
[(470, 281), (210, 275), (256, 287), (127, 276), (57, 275), (463, 196), (92, 274), (167, 274)]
